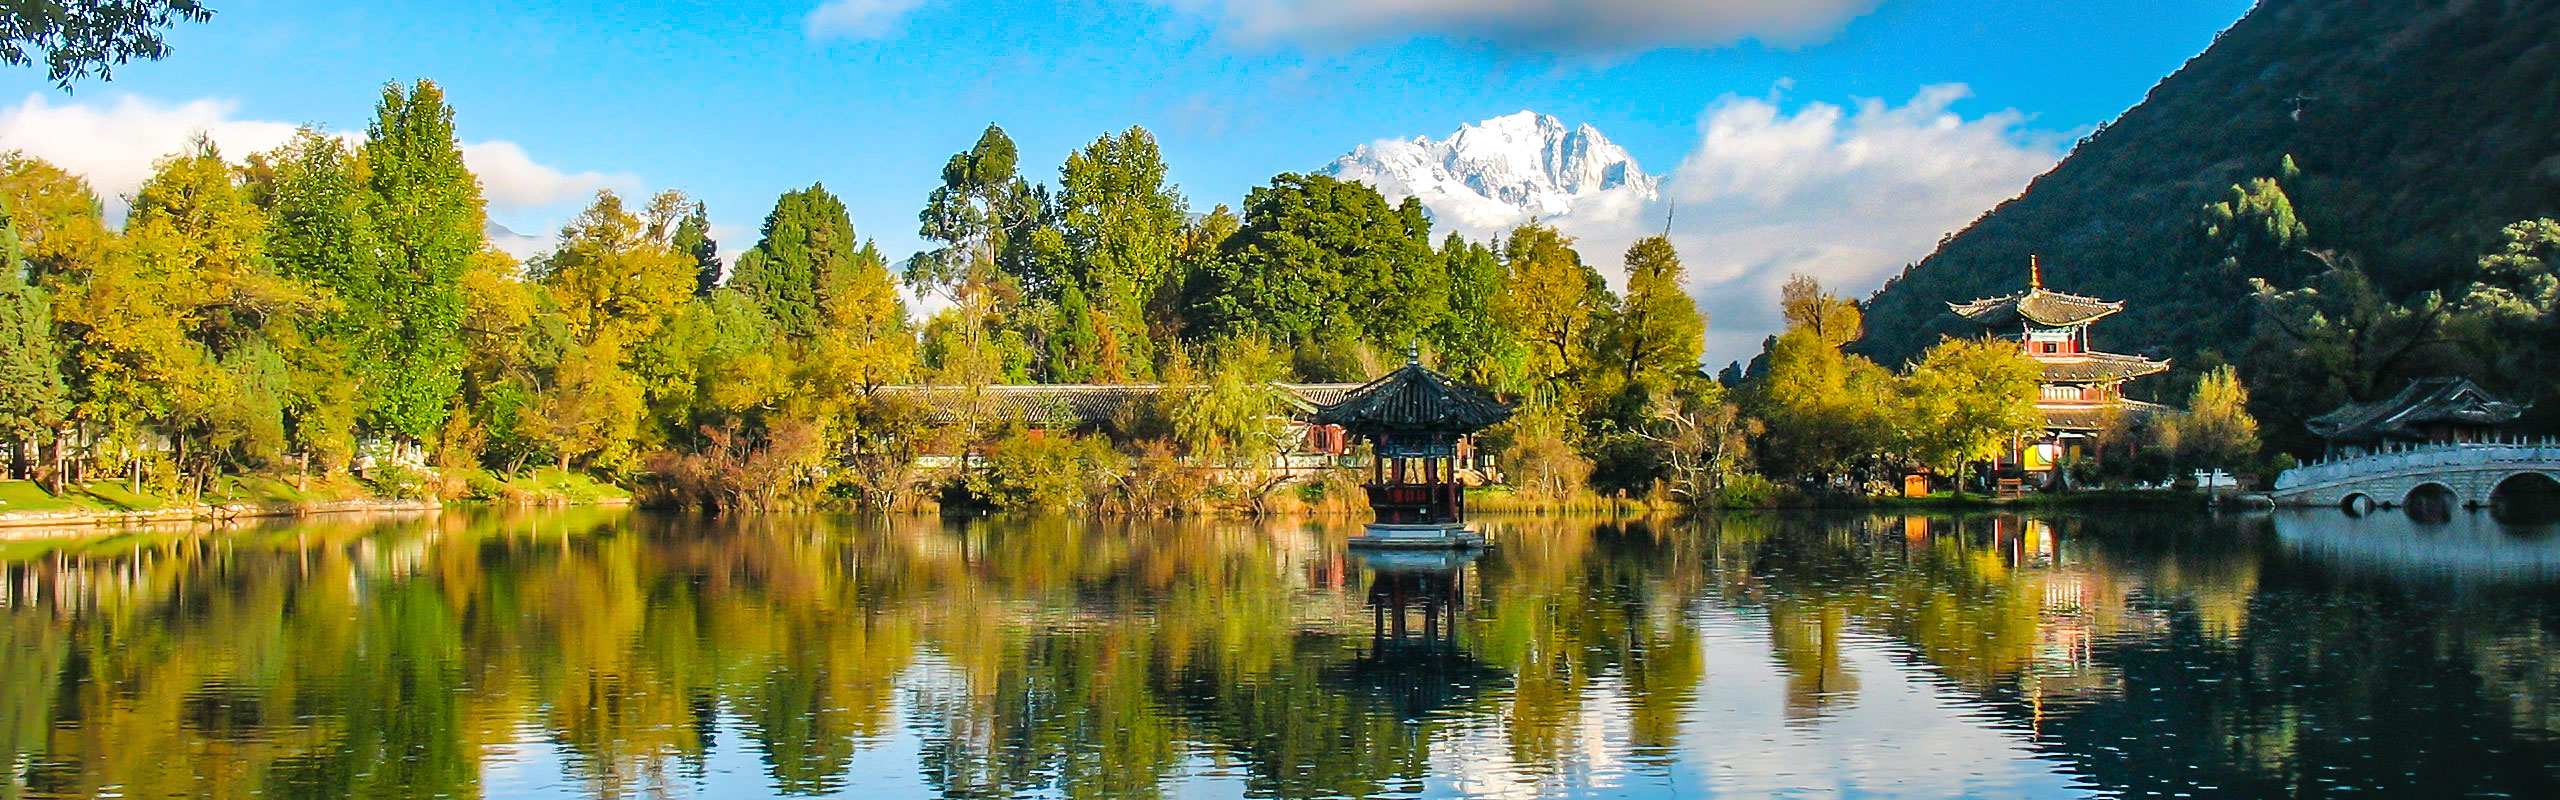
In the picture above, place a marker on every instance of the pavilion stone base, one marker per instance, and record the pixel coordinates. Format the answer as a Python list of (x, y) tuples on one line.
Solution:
[(1434, 536)]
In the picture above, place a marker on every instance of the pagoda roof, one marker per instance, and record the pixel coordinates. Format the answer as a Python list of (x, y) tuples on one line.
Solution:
[(1414, 399), (2097, 367), (2037, 305), (2423, 401)]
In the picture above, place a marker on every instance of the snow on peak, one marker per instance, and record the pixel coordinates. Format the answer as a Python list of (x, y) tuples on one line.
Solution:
[(1496, 173)]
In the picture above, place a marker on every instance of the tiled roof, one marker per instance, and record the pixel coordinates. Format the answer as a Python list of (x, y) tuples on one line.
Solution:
[(1413, 398), (1072, 405), (2096, 417), (2423, 401), (2096, 367), (2042, 307)]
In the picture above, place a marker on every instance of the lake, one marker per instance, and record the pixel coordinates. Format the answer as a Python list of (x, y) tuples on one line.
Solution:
[(604, 653)]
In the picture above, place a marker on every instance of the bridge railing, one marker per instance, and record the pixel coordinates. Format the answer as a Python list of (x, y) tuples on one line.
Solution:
[(2393, 458)]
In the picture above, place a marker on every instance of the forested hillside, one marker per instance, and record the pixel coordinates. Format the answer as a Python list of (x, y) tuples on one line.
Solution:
[(2397, 137)]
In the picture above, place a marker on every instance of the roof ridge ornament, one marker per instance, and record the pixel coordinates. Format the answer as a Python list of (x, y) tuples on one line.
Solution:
[(2035, 273)]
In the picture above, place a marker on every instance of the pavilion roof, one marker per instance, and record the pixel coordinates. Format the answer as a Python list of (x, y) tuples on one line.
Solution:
[(2423, 401), (2097, 367), (2037, 305), (1414, 399)]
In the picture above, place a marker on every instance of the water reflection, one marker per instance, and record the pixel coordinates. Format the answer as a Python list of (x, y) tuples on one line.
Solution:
[(599, 653)]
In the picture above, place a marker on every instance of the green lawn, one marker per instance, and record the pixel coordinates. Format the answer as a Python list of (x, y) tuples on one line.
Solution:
[(27, 496)]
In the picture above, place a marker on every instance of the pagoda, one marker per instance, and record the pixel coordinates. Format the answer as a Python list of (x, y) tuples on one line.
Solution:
[(2083, 387), (1417, 423)]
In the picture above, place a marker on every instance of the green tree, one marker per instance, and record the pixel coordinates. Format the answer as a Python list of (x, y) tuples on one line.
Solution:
[(1311, 249), (1824, 408), (424, 210), (807, 235), (1121, 226), (61, 227), (86, 38), (1966, 400), (1472, 341), (2217, 430), (1556, 306), (692, 237), (33, 399), (1658, 330)]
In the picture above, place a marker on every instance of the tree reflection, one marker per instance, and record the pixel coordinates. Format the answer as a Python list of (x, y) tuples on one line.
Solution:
[(406, 657)]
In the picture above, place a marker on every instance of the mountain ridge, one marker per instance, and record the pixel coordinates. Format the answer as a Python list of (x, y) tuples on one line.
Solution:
[(1494, 173)]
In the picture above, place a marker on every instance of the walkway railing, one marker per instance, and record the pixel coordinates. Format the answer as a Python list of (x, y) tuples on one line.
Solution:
[(2395, 458)]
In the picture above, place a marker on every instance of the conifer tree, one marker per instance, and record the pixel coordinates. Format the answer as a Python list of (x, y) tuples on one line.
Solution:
[(807, 236), (693, 238), (33, 400)]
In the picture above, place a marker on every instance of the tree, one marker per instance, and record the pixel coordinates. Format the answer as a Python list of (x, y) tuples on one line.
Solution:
[(2217, 430), (1310, 250), (612, 280), (1658, 330), (1705, 443), (1555, 304), (693, 237), (88, 38), (33, 399), (61, 227), (424, 208), (808, 234), (1472, 342), (1825, 408), (1965, 400)]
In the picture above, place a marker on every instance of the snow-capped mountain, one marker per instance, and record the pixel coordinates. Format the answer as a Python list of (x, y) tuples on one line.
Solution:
[(1499, 172)]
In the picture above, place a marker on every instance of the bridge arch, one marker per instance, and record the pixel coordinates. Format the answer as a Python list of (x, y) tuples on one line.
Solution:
[(2357, 504), (2431, 501), (2527, 498)]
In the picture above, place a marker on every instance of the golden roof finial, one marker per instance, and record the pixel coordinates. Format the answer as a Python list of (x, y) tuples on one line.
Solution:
[(2035, 272)]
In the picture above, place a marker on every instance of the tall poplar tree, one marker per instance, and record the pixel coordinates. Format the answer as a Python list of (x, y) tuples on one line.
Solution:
[(425, 212), (693, 238)]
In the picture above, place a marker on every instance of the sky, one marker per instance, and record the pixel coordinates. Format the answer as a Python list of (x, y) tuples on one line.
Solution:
[(1838, 138)]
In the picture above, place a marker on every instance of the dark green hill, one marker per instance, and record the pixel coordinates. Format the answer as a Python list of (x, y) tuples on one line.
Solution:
[(2423, 126)]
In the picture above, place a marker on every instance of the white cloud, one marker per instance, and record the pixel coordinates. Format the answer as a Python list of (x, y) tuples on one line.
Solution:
[(510, 179), (114, 146), (856, 19), (1565, 25), (1847, 195)]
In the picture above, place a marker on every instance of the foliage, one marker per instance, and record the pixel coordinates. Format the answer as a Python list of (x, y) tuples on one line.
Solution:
[(1825, 408), (424, 208), (1042, 472), (85, 38), (1967, 400), (1311, 248), (2217, 430), (33, 400)]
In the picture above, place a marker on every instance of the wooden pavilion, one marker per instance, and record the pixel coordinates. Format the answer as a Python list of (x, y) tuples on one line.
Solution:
[(1416, 421)]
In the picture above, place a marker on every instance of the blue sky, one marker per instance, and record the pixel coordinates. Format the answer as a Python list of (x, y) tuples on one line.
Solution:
[(735, 102)]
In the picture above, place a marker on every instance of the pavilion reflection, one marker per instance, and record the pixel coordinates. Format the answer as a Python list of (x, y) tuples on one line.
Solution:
[(1414, 662)]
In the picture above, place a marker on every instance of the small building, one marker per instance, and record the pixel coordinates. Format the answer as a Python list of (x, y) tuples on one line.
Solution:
[(2427, 411), (1417, 422), (2083, 389)]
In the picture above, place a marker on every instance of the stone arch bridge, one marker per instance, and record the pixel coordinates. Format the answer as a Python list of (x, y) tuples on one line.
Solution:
[(2466, 475)]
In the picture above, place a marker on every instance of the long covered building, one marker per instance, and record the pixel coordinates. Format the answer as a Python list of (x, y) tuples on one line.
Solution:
[(2083, 391)]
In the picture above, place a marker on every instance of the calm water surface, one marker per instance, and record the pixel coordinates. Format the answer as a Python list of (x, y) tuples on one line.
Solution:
[(612, 654)]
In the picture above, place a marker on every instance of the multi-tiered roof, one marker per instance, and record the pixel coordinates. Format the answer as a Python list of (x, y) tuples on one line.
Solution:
[(2081, 384)]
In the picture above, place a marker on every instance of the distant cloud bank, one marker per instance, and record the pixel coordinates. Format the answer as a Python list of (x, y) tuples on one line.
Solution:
[(1573, 26)]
